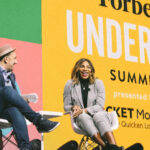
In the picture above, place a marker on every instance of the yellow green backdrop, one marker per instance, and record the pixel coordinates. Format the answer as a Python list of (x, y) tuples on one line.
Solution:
[(118, 44)]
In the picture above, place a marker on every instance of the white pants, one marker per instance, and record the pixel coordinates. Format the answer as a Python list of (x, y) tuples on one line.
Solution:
[(100, 122)]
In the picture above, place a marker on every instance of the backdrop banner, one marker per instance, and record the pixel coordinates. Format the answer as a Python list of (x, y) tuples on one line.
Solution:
[(115, 36)]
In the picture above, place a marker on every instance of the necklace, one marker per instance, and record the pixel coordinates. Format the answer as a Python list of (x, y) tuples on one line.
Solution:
[(83, 86)]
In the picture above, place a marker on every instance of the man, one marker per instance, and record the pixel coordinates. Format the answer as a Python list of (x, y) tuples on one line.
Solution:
[(12, 106)]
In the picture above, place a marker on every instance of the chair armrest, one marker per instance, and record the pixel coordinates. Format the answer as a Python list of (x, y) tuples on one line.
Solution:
[(74, 125), (50, 114), (6, 124), (47, 114), (68, 112), (115, 122)]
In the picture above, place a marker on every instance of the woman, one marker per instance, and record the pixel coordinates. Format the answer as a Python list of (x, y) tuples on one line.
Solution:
[(84, 95)]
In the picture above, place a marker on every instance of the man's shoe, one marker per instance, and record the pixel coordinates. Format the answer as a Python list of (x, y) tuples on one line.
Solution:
[(45, 125), (35, 144)]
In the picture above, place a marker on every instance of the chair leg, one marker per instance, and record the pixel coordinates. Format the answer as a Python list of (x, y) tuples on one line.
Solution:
[(7, 139), (1, 140), (13, 134), (87, 143), (84, 143)]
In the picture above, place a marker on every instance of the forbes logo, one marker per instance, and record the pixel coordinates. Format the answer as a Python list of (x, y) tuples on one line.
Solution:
[(137, 7)]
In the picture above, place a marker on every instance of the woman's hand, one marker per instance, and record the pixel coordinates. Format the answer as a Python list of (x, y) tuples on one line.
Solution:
[(77, 111), (75, 108)]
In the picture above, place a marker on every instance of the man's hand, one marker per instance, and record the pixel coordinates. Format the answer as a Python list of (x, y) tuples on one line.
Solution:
[(26, 99)]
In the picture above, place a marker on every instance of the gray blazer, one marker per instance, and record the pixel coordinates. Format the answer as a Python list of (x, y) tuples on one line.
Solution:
[(96, 96)]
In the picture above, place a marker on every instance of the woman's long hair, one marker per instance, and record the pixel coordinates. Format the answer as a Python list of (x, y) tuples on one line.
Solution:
[(76, 74)]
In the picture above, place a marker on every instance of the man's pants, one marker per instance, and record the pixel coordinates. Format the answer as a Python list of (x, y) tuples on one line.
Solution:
[(13, 108), (13, 115)]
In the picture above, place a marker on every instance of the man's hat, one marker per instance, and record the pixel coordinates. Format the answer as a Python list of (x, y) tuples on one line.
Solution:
[(6, 49)]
